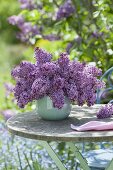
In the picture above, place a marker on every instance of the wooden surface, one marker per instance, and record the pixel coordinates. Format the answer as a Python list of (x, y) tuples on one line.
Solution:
[(29, 125)]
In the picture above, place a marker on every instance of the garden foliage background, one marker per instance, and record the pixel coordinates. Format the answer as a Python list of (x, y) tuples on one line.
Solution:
[(83, 29)]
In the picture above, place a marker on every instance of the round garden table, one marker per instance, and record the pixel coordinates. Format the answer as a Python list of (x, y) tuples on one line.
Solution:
[(30, 125)]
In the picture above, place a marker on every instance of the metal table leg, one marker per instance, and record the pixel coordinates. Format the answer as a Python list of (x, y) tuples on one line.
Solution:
[(58, 162), (82, 160), (110, 165), (53, 155)]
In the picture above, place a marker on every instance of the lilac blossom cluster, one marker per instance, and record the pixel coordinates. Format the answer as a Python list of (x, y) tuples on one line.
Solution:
[(27, 30), (105, 111), (28, 4), (97, 34), (65, 10), (56, 79)]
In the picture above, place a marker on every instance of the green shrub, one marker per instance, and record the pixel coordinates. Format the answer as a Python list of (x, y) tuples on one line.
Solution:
[(8, 8)]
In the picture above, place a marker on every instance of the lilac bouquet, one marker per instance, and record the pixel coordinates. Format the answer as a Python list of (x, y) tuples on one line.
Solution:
[(56, 79)]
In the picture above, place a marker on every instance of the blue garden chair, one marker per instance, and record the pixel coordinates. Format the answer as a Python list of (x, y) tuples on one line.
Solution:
[(108, 75), (99, 159)]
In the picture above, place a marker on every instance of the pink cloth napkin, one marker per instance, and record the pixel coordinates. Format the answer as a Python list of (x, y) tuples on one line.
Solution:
[(93, 125)]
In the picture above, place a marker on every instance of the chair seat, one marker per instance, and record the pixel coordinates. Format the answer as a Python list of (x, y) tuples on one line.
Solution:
[(98, 158)]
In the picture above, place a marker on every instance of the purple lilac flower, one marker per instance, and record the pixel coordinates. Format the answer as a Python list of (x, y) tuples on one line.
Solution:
[(105, 111), (24, 99), (8, 113), (91, 98), (49, 69), (99, 84), (93, 70), (21, 86), (24, 80), (81, 99), (27, 32), (75, 69), (28, 4), (16, 20), (40, 87), (27, 28), (69, 46), (58, 99), (51, 37), (56, 79), (23, 70), (97, 34), (65, 10), (77, 40), (42, 56), (63, 61), (36, 73), (9, 88), (58, 83), (72, 93)]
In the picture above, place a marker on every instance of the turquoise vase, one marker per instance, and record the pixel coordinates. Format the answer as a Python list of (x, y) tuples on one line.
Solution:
[(45, 109)]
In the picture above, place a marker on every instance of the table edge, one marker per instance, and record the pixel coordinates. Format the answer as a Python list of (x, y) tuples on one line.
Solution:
[(61, 138)]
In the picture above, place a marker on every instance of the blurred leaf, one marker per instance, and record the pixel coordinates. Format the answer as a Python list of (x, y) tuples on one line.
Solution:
[(96, 14), (110, 51)]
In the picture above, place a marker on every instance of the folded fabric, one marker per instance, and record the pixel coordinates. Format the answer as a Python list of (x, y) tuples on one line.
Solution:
[(93, 125)]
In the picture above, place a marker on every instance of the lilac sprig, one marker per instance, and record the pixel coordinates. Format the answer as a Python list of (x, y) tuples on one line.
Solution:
[(105, 111), (27, 31), (42, 56), (23, 70), (16, 20), (8, 89), (65, 10), (56, 79), (58, 99), (51, 37), (28, 4), (63, 61)]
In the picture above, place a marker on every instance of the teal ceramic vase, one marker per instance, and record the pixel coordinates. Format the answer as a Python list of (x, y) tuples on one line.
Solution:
[(45, 109)]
